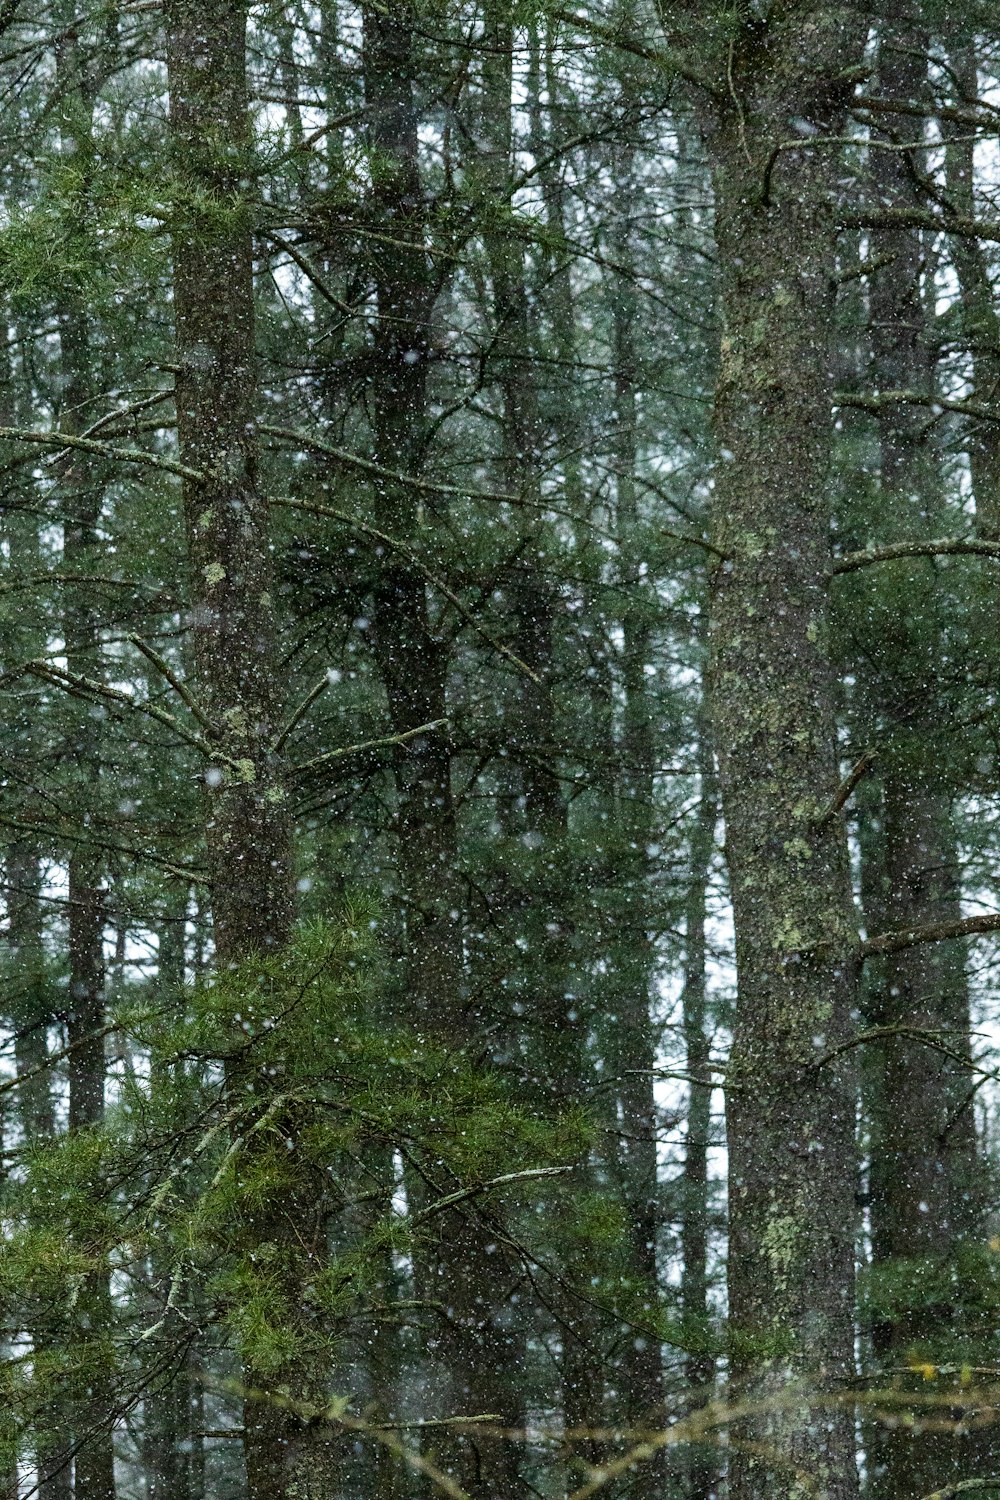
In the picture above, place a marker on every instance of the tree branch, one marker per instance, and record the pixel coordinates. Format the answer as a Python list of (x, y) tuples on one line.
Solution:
[(299, 713), (846, 787), (876, 401), (367, 466), (964, 1487), (88, 687), (918, 218), (179, 687), (617, 36), (941, 547), (319, 762), (453, 1199), (934, 932), (102, 450)]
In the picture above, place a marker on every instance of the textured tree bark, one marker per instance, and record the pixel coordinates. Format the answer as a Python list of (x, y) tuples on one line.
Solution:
[(232, 615), (232, 609), (790, 1126)]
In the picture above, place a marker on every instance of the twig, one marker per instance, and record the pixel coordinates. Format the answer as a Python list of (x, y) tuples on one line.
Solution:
[(318, 762)]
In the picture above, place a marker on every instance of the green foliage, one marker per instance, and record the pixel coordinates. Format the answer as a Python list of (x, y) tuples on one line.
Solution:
[(950, 1302), (260, 1162)]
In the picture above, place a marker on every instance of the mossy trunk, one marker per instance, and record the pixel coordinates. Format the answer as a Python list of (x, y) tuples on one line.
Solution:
[(790, 1109), (232, 613)]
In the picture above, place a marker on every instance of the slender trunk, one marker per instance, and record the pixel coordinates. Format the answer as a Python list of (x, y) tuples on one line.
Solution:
[(642, 1355), (31, 1006), (93, 1466), (172, 1445), (248, 827), (412, 658), (702, 1476), (790, 1124)]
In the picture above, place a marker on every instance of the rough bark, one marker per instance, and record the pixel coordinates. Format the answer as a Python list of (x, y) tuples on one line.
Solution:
[(790, 1131), (232, 609)]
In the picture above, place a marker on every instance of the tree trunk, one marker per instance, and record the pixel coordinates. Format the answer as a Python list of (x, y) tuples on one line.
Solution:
[(980, 321), (411, 657), (790, 1123), (93, 1466), (923, 1144), (636, 1034), (232, 616), (703, 1466)]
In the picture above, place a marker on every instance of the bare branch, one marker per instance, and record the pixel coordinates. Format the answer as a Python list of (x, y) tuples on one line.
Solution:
[(167, 671), (918, 218), (306, 266), (299, 713), (877, 400), (88, 687), (367, 466), (964, 1487), (451, 1200)]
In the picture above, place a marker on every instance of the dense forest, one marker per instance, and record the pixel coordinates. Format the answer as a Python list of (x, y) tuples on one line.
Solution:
[(500, 749)]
